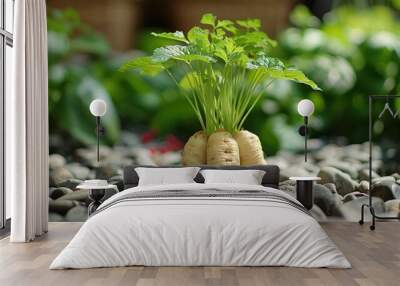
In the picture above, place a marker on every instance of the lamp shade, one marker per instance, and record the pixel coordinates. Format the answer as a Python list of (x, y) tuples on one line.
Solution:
[(305, 107), (98, 107)]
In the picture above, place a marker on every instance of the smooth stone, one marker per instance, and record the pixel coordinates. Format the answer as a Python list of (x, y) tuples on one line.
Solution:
[(70, 183), (55, 217), (386, 190), (61, 206), (118, 160), (88, 156), (78, 171), (143, 156), (327, 201), (376, 165), (106, 171), (293, 171), (345, 167), (396, 176), (130, 139), (393, 207), (56, 161), (169, 158), (328, 151), (364, 187), (56, 193), (117, 178), (381, 179), (352, 209), (79, 195), (344, 183), (59, 175), (353, 196), (311, 168), (77, 214), (331, 187), (364, 174), (288, 186), (318, 214)]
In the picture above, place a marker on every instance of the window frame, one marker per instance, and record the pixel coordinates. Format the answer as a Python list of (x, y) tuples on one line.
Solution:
[(6, 39)]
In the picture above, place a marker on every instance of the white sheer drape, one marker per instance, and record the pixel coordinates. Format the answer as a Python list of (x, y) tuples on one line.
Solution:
[(27, 124)]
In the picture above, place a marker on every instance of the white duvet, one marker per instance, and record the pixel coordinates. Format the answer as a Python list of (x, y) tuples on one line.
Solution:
[(200, 231)]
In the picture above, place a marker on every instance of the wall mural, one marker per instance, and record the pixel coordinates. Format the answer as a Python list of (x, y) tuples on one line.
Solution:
[(226, 93)]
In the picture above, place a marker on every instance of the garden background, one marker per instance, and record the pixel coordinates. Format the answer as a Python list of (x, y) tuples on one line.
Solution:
[(351, 49)]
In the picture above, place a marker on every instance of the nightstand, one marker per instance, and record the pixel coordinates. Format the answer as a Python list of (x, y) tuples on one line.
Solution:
[(304, 190), (96, 194)]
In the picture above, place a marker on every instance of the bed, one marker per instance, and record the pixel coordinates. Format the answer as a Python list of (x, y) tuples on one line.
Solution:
[(198, 224)]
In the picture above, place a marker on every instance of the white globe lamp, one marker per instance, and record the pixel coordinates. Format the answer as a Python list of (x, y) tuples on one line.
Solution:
[(305, 108), (98, 107)]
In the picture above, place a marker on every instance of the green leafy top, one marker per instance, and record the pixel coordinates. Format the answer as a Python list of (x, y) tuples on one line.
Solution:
[(226, 62), (238, 43)]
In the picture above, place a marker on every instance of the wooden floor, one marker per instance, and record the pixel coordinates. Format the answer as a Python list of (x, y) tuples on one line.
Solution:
[(375, 257)]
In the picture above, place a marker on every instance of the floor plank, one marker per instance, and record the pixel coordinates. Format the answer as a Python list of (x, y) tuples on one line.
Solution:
[(375, 257)]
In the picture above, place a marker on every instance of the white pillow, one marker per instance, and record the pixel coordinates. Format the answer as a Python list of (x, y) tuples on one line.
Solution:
[(166, 176), (247, 177)]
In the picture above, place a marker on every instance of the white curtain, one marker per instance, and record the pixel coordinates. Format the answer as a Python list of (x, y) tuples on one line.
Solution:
[(27, 124)]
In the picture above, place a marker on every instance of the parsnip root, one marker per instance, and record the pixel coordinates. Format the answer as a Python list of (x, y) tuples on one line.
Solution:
[(250, 148), (222, 149), (195, 150)]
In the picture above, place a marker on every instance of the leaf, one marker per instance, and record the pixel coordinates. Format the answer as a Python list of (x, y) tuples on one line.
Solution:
[(199, 37), (293, 75), (266, 62), (177, 36), (276, 69), (252, 24), (192, 57), (220, 53), (227, 25), (164, 54), (208, 19), (145, 64), (255, 39), (180, 53)]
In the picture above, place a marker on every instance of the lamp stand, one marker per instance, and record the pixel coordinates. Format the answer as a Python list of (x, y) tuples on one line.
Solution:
[(303, 131), (306, 138), (99, 131)]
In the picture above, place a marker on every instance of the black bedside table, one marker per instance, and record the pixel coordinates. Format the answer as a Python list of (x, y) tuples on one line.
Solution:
[(304, 190), (96, 194)]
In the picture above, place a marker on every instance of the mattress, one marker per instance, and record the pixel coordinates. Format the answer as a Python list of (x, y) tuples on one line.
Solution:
[(201, 225)]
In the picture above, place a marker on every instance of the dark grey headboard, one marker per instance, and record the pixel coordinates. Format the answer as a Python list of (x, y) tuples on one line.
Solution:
[(271, 177)]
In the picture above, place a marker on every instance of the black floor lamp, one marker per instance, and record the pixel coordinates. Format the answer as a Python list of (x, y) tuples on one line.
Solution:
[(305, 108), (372, 99), (98, 108)]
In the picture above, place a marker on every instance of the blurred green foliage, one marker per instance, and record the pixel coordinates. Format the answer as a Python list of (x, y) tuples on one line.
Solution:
[(82, 67), (73, 50), (351, 54)]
